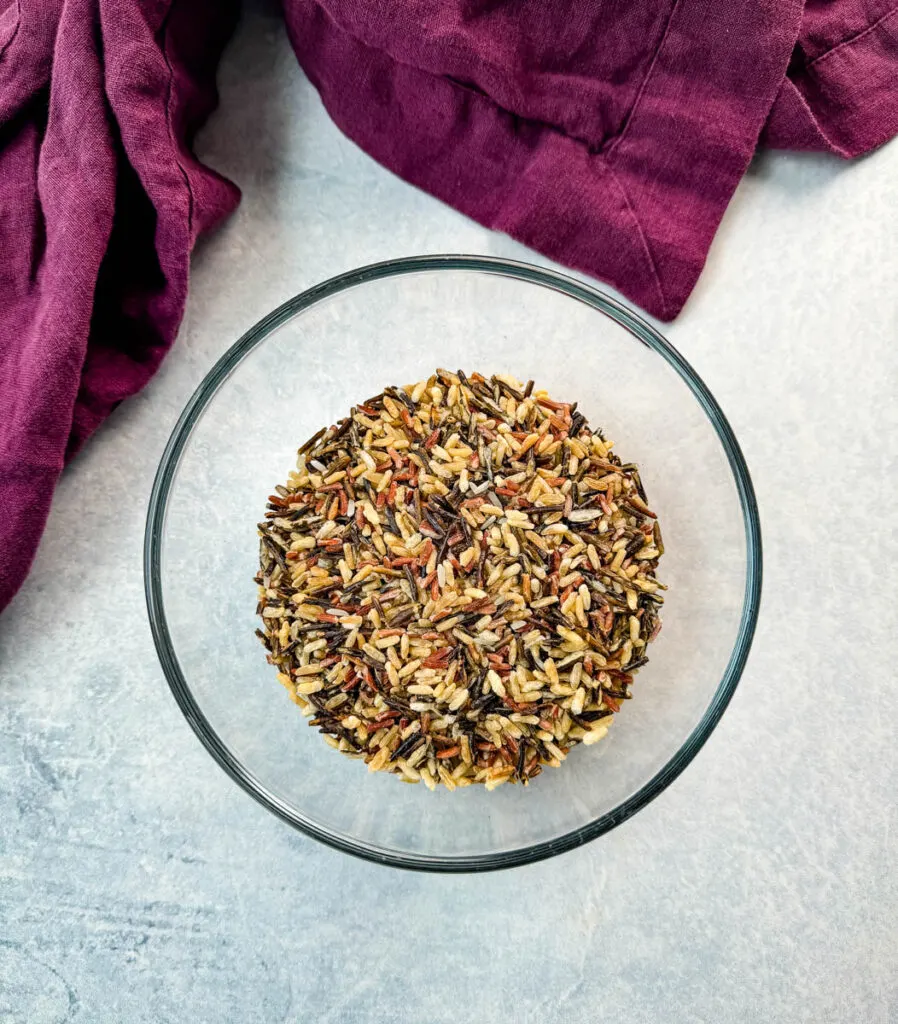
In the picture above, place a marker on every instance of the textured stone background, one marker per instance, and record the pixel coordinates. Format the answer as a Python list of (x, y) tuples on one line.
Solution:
[(138, 884)]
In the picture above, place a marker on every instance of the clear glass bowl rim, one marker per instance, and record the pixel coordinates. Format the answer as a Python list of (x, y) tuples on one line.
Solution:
[(226, 365)]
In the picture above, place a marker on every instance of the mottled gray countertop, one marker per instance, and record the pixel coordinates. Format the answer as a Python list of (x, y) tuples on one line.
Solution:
[(139, 884)]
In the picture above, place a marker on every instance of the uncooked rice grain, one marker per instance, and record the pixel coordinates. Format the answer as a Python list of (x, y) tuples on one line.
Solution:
[(457, 583)]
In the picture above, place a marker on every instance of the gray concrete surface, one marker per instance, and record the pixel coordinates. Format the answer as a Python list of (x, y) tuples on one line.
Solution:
[(138, 884)]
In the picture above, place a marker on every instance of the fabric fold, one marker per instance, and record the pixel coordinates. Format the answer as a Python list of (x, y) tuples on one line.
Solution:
[(635, 196), (100, 204), (841, 91)]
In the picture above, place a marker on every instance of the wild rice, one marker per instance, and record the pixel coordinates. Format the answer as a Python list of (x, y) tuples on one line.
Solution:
[(458, 581)]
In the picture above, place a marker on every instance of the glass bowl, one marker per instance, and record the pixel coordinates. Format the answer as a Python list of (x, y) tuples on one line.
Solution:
[(301, 368)]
